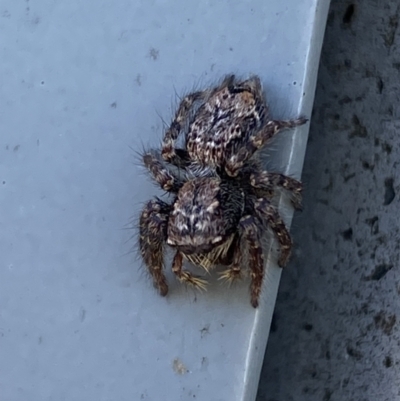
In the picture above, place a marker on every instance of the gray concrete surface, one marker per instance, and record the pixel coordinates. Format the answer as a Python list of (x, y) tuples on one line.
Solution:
[(336, 334), (81, 83)]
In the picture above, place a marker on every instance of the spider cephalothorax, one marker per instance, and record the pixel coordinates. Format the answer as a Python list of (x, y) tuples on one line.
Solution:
[(201, 218), (221, 206)]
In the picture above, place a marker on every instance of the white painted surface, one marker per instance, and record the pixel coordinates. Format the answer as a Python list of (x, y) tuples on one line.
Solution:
[(82, 82)]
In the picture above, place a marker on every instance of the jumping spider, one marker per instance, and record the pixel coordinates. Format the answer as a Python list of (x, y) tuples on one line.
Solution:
[(221, 204)]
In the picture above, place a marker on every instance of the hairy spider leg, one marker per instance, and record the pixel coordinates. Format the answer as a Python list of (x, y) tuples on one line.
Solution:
[(181, 116), (268, 213), (249, 232), (266, 181), (257, 141), (185, 276), (167, 181), (152, 237)]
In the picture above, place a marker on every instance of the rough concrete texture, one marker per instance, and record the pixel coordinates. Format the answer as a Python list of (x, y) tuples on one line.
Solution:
[(336, 331)]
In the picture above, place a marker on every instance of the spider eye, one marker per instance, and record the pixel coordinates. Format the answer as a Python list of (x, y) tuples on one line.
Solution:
[(217, 212)]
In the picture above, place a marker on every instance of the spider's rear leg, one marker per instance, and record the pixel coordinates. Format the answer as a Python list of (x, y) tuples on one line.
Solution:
[(249, 232), (184, 276), (233, 259), (152, 236), (257, 141), (269, 181), (181, 116), (269, 213), (161, 175)]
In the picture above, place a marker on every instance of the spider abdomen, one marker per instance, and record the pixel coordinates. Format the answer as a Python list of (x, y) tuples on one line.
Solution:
[(228, 116)]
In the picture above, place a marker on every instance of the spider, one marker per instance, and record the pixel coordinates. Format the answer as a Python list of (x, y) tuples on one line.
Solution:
[(221, 206)]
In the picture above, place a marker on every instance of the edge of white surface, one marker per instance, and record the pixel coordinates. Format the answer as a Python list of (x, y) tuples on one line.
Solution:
[(260, 331)]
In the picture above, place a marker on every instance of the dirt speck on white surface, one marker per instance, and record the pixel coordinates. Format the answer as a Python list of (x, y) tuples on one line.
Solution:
[(179, 367)]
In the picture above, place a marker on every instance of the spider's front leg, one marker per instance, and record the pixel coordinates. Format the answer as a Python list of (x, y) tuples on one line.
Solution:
[(265, 181), (184, 276), (181, 116), (249, 232), (167, 181), (257, 141), (152, 236), (269, 213)]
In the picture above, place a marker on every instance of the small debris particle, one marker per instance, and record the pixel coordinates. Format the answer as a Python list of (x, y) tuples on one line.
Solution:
[(153, 53), (179, 367), (205, 330)]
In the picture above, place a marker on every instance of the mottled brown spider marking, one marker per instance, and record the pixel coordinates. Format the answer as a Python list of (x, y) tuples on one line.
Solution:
[(220, 194), (201, 219), (256, 142), (251, 233), (193, 210), (269, 181), (234, 272), (181, 116), (153, 232), (229, 116), (269, 213), (161, 175), (186, 276)]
